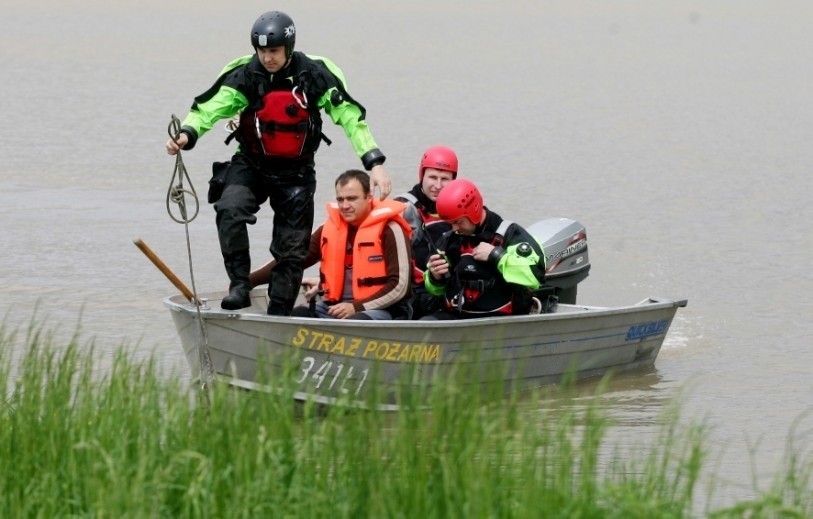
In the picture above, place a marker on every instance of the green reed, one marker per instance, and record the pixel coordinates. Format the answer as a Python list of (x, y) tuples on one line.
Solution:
[(129, 441)]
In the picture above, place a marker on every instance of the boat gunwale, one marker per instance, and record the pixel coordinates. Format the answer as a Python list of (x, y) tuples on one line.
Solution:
[(178, 303)]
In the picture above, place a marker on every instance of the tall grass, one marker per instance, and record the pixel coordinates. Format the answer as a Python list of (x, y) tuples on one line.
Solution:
[(133, 443)]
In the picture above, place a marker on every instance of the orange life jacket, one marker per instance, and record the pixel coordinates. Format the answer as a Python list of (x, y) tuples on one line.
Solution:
[(369, 267)]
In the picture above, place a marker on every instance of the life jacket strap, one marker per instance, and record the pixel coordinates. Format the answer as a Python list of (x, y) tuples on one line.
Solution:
[(372, 281)]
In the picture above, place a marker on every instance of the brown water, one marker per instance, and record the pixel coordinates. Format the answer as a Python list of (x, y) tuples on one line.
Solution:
[(678, 133)]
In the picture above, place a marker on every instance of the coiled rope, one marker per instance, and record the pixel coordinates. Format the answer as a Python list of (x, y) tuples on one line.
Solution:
[(177, 194)]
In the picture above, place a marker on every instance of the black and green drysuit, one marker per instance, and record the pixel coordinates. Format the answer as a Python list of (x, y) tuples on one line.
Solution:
[(252, 176)]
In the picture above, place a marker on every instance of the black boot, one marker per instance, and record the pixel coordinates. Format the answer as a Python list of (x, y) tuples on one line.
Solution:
[(283, 288), (281, 296), (238, 267)]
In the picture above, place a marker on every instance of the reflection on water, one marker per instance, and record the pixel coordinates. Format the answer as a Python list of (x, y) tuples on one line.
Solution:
[(631, 398)]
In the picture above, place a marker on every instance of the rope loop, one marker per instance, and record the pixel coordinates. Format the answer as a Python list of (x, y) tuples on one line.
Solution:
[(177, 193)]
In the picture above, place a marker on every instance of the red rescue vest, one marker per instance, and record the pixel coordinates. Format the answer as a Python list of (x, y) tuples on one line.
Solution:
[(283, 123)]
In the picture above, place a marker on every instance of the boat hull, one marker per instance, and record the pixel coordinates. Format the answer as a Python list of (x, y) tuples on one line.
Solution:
[(385, 362)]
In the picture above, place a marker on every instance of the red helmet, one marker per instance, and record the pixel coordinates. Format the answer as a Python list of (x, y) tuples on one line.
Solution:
[(438, 157), (460, 198)]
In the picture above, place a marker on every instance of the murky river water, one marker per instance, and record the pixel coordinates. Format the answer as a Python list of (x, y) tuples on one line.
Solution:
[(678, 133)]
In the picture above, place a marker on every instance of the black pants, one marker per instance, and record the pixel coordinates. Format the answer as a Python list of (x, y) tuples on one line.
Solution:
[(424, 303), (444, 314), (290, 189)]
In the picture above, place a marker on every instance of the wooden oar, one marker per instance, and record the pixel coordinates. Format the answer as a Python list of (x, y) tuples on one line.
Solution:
[(165, 270)]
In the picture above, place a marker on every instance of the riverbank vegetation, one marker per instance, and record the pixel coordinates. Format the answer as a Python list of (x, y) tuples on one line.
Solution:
[(133, 442)]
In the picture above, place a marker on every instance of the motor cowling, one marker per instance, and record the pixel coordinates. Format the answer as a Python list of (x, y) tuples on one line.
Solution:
[(566, 261)]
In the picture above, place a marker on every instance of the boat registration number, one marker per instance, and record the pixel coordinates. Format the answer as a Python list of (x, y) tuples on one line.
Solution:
[(332, 375)]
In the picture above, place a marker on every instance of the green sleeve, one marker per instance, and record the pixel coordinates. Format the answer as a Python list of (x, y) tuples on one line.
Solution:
[(431, 287), (521, 270), (225, 104), (219, 102)]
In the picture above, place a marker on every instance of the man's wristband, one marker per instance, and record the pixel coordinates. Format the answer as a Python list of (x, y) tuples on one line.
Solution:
[(373, 158), (496, 255)]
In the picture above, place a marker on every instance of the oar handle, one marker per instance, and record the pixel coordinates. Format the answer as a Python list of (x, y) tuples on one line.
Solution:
[(175, 280)]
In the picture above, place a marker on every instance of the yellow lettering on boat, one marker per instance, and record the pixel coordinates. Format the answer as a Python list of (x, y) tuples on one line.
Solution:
[(394, 349), (377, 353), (354, 345), (372, 349), (338, 346), (299, 337), (315, 336), (327, 340), (404, 356), (371, 346)]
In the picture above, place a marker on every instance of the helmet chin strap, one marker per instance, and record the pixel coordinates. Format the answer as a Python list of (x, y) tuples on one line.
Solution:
[(478, 226)]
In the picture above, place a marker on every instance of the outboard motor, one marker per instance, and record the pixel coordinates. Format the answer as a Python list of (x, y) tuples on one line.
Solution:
[(565, 244)]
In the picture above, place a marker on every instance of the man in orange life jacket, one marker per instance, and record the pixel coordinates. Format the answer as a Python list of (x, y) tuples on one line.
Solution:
[(365, 254), (278, 94), (488, 266), (437, 168)]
